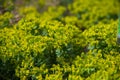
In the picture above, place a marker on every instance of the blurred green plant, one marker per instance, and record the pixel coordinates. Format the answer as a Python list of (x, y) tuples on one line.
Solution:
[(70, 40)]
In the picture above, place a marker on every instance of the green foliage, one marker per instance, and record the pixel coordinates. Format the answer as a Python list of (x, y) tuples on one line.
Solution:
[(5, 20), (74, 41), (102, 37), (7, 5), (92, 12)]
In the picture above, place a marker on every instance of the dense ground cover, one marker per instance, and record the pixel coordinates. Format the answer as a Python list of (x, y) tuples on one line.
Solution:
[(59, 40)]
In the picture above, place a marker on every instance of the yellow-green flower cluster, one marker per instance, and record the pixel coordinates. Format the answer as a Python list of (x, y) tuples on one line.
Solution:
[(102, 36), (5, 20), (92, 12), (71, 40)]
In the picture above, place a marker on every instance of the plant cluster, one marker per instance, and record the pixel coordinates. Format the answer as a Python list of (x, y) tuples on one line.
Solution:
[(67, 40)]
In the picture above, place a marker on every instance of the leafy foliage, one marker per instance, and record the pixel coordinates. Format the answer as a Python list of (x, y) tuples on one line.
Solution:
[(70, 40)]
